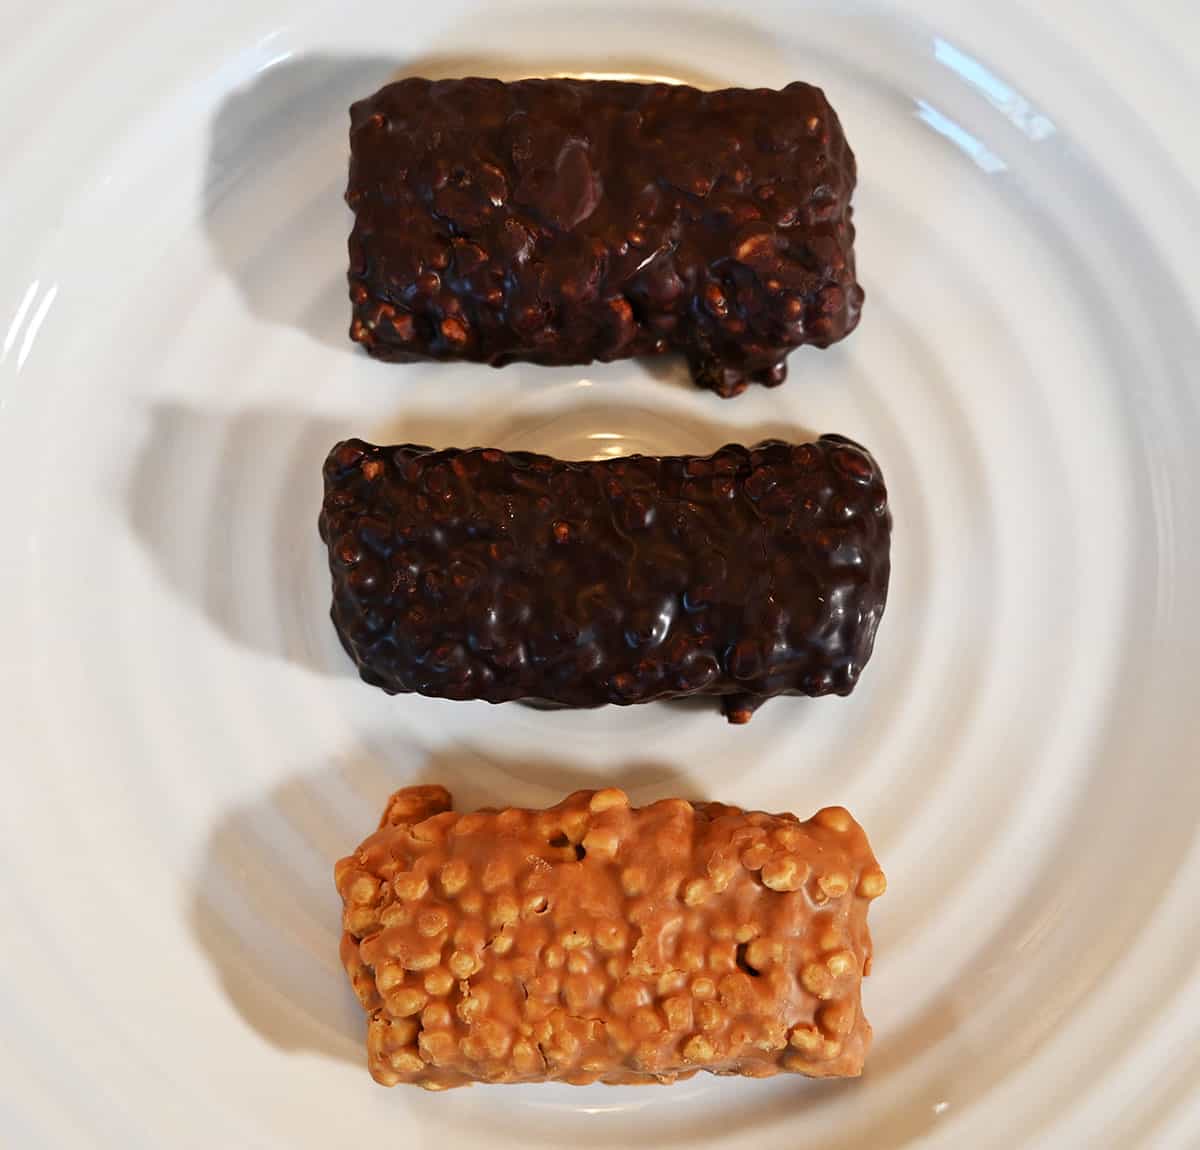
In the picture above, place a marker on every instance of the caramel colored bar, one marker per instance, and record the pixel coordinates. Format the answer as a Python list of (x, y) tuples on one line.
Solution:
[(596, 942)]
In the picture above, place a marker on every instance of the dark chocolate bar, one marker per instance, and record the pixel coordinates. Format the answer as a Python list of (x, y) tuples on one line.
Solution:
[(481, 574), (565, 221)]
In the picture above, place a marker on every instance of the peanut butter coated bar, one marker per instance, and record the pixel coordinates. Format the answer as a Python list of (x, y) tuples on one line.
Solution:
[(598, 942), (563, 221), (484, 574)]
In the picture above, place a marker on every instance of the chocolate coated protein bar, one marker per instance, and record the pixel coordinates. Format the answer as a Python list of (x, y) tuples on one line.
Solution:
[(564, 221), (482, 574), (597, 942)]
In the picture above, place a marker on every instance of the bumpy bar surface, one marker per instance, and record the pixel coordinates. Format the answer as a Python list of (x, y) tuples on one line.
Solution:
[(598, 942), (564, 221), (481, 574)]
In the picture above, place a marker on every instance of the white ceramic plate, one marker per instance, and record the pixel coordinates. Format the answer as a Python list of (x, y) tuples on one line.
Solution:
[(186, 750)]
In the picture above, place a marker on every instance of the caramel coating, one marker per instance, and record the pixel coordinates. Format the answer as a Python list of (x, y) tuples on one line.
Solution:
[(542, 959)]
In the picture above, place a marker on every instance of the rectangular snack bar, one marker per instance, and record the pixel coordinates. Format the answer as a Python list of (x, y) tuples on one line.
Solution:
[(598, 942), (564, 221), (482, 574)]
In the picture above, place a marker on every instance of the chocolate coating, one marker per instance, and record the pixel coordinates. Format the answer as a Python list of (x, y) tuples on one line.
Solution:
[(481, 574), (565, 221)]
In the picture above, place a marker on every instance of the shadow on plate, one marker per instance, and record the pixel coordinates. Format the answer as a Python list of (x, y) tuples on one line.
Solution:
[(264, 909), (276, 174), (266, 915), (227, 505)]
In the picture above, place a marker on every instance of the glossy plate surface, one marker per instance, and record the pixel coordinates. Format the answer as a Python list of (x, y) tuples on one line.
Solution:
[(186, 749)]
